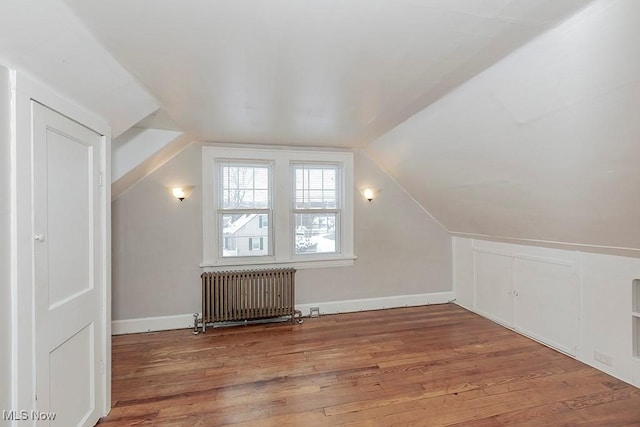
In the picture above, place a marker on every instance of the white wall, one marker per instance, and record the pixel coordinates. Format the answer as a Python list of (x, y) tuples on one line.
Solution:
[(135, 146), (157, 243), (600, 305), (543, 145), (5, 241), (404, 256)]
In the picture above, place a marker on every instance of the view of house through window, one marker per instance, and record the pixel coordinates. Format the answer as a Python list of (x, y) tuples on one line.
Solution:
[(316, 208), (244, 207), (287, 207)]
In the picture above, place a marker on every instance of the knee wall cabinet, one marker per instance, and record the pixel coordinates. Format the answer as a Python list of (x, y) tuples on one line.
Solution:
[(584, 304), (535, 295)]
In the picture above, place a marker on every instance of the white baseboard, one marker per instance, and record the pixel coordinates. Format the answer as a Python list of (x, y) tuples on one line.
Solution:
[(350, 306), (151, 324), (183, 321)]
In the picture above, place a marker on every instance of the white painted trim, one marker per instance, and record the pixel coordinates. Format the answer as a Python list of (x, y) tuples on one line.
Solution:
[(53, 100), (105, 208), (350, 306), (454, 270), (23, 361), (279, 147), (525, 257), (151, 324), (566, 246), (183, 321), (300, 265), (474, 302), (15, 211), (577, 282), (635, 371)]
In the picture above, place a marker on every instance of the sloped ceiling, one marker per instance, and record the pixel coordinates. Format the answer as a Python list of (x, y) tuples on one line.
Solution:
[(309, 72), (46, 40), (544, 145)]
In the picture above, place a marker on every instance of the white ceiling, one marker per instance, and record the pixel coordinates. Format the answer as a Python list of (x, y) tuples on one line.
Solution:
[(308, 72), (45, 39)]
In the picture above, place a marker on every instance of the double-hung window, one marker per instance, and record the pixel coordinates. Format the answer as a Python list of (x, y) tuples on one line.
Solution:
[(277, 206), (316, 207), (244, 208)]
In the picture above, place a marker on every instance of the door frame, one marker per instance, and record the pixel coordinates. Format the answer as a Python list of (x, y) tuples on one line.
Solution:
[(24, 90)]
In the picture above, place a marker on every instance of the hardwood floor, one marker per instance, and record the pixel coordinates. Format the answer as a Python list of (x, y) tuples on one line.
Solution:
[(420, 366)]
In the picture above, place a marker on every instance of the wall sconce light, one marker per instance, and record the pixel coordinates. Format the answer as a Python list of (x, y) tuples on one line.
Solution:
[(181, 192), (369, 193)]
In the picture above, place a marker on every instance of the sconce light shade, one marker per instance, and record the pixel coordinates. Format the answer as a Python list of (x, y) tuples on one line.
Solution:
[(369, 193), (178, 193), (181, 192)]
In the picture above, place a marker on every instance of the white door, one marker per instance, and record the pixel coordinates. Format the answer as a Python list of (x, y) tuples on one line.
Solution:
[(546, 303), (493, 286), (68, 304)]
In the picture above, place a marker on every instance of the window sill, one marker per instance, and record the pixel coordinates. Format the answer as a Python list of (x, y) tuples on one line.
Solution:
[(295, 263)]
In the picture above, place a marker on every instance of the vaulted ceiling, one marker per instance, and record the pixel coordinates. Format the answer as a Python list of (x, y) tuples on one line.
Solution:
[(509, 118), (308, 72), (544, 145)]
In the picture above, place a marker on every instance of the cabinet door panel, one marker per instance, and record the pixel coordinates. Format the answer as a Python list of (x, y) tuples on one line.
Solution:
[(493, 286), (546, 305)]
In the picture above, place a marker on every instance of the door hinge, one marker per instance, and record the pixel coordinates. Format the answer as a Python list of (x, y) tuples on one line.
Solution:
[(100, 179), (102, 366)]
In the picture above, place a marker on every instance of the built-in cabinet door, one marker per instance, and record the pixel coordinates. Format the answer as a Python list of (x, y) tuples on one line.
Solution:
[(546, 302), (68, 305), (536, 296), (493, 286)]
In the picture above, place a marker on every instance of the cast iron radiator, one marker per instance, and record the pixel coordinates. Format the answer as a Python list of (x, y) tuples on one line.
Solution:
[(229, 296)]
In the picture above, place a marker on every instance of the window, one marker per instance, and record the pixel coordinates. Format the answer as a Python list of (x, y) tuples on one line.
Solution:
[(244, 200), (316, 208), (283, 207), (256, 243)]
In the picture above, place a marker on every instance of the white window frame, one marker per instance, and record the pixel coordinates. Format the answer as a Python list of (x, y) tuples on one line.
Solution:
[(282, 237), (268, 211), (337, 211)]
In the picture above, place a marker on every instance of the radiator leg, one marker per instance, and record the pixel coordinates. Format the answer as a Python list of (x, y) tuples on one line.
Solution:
[(195, 324)]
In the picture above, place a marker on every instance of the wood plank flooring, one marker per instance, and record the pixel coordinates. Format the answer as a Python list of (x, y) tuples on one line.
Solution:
[(420, 366)]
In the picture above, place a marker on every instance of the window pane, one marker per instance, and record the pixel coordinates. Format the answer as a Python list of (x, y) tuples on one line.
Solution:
[(244, 186), (243, 235), (315, 233), (316, 187)]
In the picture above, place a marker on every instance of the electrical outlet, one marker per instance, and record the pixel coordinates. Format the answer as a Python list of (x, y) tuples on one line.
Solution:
[(603, 358), (314, 312)]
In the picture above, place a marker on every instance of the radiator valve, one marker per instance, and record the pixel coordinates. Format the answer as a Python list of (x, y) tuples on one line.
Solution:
[(196, 322)]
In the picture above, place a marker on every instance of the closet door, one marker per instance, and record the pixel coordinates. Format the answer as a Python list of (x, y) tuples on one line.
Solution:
[(68, 303)]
